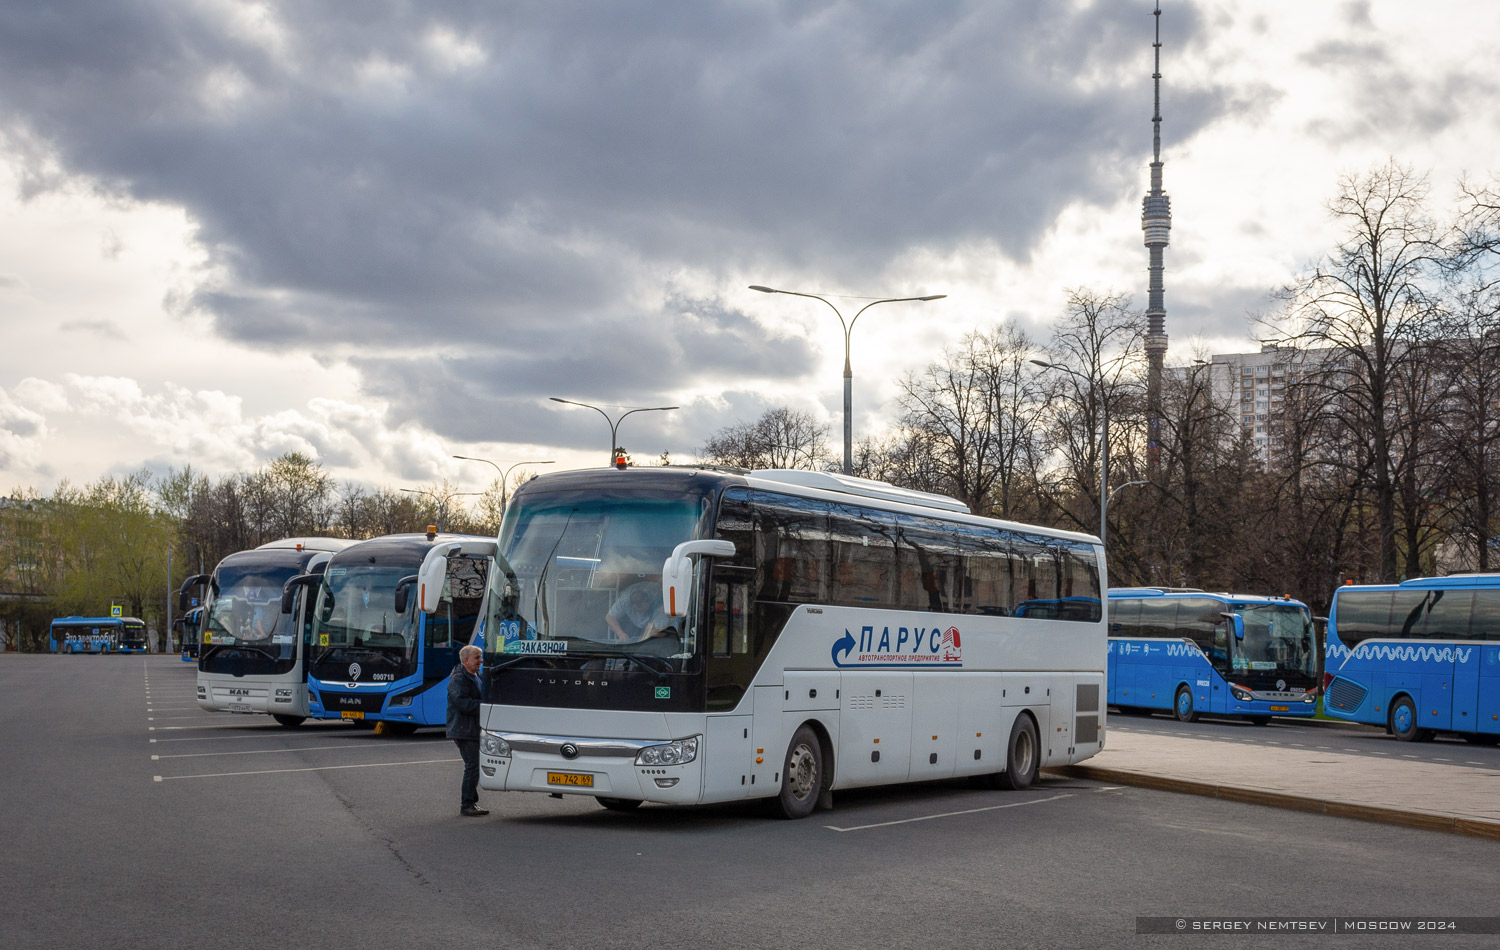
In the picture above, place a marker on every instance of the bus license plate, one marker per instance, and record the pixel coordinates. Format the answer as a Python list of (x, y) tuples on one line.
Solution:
[(241, 707), (1281, 709), (351, 715), (570, 778)]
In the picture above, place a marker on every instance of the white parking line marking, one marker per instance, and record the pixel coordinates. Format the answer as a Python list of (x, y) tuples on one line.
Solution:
[(329, 768), (949, 814), (306, 748)]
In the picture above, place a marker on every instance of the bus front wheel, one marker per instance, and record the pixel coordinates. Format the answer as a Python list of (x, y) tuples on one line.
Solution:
[(1021, 758), (1183, 707), (289, 722), (1403, 722), (802, 775), (1259, 720)]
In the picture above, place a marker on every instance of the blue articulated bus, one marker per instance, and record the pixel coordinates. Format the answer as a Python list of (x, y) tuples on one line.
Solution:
[(1419, 657), (1193, 653), (97, 635), (375, 657)]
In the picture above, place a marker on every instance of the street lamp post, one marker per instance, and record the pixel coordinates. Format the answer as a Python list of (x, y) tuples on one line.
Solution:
[(440, 502), (848, 373), (504, 475), (614, 424), (1104, 494)]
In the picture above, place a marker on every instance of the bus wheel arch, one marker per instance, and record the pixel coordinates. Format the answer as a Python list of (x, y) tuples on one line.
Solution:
[(804, 773), (1023, 754), (1402, 719), (1182, 704)]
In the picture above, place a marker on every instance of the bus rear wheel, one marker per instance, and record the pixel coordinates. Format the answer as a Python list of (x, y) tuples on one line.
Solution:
[(801, 776), (1403, 722), (289, 722), (618, 804), (1021, 756), (1183, 707)]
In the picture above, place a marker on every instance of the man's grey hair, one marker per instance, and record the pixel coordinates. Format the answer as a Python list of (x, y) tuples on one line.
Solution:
[(468, 650)]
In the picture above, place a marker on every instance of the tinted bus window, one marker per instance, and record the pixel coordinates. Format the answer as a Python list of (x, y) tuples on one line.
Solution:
[(1363, 615), (928, 562), (1158, 617), (1447, 615), (1198, 618), (1125, 618), (862, 546), (1486, 615), (1406, 613)]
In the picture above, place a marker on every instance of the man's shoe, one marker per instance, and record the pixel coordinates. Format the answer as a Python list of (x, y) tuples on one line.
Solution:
[(473, 811)]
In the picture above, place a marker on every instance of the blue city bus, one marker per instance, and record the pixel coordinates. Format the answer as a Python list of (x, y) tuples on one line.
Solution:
[(97, 635), (1419, 657), (375, 657), (1192, 653)]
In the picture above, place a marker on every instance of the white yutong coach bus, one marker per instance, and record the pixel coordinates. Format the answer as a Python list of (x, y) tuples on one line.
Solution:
[(691, 635)]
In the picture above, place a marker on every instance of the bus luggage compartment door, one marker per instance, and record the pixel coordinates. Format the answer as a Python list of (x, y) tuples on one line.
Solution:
[(875, 722)]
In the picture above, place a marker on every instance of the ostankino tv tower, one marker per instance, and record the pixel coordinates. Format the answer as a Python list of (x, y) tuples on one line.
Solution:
[(1156, 222)]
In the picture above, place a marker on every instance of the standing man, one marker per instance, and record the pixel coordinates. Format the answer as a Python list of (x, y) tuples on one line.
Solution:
[(463, 724)]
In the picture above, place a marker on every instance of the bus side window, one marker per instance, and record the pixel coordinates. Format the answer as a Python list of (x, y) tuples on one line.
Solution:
[(730, 629)]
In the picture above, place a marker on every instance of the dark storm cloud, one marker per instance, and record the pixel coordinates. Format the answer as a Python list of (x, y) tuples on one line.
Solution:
[(499, 178), (500, 393)]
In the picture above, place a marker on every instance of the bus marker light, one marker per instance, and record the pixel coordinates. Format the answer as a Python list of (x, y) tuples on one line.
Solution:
[(758, 760)]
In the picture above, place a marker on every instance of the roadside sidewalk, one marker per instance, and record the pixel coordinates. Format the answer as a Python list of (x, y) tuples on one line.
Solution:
[(1462, 799)]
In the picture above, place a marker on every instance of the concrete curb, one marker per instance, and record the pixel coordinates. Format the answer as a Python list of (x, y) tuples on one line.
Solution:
[(1475, 827)]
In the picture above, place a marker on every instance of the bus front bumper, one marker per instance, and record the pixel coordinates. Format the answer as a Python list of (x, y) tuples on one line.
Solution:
[(568, 765)]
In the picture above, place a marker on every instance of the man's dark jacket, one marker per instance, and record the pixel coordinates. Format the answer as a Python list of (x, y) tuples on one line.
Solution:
[(463, 705)]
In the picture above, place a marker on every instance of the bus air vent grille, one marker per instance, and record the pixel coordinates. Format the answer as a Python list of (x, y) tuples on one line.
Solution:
[(1088, 698), (861, 702), (893, 702), (1086, 729), (1343, 694)]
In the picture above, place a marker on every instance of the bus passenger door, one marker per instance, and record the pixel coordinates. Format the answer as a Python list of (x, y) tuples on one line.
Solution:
[(1488, 702), (1467, 660)]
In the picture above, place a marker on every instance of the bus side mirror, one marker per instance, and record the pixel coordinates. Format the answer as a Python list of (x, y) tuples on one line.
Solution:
[(187, 585), (677, 572), (403, 588), (429, 581), (289, 590), (1237, 623)]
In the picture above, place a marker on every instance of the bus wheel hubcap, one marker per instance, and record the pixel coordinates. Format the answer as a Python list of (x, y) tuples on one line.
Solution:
[(801, 772)]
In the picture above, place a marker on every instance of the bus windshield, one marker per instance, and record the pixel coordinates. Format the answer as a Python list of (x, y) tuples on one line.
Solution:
[(1277, 640), (356, 621), (584, 577), (244, 623)]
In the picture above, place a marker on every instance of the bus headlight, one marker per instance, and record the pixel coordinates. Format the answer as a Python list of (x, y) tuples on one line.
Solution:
[(495, 746), (1240, 693), (1311, 696), (680, 752)]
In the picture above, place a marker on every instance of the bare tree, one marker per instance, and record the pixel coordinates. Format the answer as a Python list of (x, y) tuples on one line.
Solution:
[(1370, 303), (976, 415), (1468, 436), (780, 438)]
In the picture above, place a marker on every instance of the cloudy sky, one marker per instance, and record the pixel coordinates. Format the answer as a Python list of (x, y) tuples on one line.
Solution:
[(385, 232)]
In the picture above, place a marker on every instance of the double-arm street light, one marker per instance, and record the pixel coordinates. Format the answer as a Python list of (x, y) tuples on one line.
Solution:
[(614, 424), (848, 373), (504, 474), (441, 502)]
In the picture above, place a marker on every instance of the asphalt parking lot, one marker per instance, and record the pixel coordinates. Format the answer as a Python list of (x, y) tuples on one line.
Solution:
[(135, 819)]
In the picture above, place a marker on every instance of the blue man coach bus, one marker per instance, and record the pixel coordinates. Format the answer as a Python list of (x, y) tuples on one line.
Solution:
[(97, 635), (1419, 657), (374, 656), (1193, 652)]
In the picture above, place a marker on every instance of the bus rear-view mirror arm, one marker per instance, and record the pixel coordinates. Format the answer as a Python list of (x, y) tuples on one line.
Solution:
[(677, 572), (1237, 623), (289, 591), (196, 580)]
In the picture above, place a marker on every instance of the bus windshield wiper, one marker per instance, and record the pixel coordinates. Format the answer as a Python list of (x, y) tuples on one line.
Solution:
[(656, 664)]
